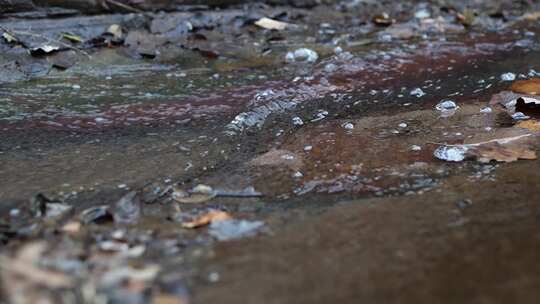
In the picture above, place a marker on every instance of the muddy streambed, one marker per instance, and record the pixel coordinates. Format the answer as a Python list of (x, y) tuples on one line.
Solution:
[(323, 181)]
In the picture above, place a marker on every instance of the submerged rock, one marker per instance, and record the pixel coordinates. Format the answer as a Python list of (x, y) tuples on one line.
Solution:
[(234, 229), (97, 214), (447, 105), (302, 55), (508, 77), (128, 209), (451, 153), (417, 92)]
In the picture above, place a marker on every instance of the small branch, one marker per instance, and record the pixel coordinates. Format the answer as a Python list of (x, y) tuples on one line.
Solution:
[(125, 6)]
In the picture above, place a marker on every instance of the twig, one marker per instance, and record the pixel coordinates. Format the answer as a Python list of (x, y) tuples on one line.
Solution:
[(125, 6), (17, 32)]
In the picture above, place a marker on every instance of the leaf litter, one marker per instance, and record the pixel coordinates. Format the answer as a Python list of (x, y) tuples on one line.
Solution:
[(506, 149)]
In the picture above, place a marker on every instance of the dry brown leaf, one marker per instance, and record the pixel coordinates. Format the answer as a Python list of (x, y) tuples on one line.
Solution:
[(529, 86), (280, 158), (71, 227), (502, 153), (383, 20), (24, 267), (207, 218), (169, 299), (506, 149), (530, 124), (271, 24), (531, 16)]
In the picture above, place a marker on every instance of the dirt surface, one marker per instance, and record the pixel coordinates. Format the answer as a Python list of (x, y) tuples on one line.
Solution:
[(366, 152)]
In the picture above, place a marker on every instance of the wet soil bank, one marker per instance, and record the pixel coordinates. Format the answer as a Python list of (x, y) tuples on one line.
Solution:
[(352, 156)]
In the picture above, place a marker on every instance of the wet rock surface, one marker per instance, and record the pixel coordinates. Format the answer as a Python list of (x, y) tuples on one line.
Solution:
[(349, 152)]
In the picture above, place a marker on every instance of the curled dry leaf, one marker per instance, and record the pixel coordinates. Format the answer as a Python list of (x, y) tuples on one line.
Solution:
[(271, 24), (281, 158), (169, 299), (382, 19), (71, 227), (44, 49), (531, 124), (529, 86), (9, 38), (23, 268), (507, 149), (207, 218)]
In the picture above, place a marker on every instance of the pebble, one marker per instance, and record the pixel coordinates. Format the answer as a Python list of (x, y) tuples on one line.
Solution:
[(417, 92), (508, 77), (422, 14), (450, 153), (520, 116), (486, 110), (213, 277), (14, 212), (446, 105), (302, 55), (297, 121), (298, 174)]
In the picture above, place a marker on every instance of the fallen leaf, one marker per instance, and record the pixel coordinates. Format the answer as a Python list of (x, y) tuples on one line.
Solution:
[(466, 18), (25, 266), (531, 16), (207, 218), (206, 53), (382, 20), (44, 49), (530, 124), (280, 158), (529, 86), (271, 24), (169, 299), (72, 37), (71, 227), (502, 153), (507, 149), (116, 31), (9, 38), (513, 102)]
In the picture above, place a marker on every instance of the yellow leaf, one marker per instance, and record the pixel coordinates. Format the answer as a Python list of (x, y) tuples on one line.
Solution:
[(530, 124), (72, 37), (207, 218)]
